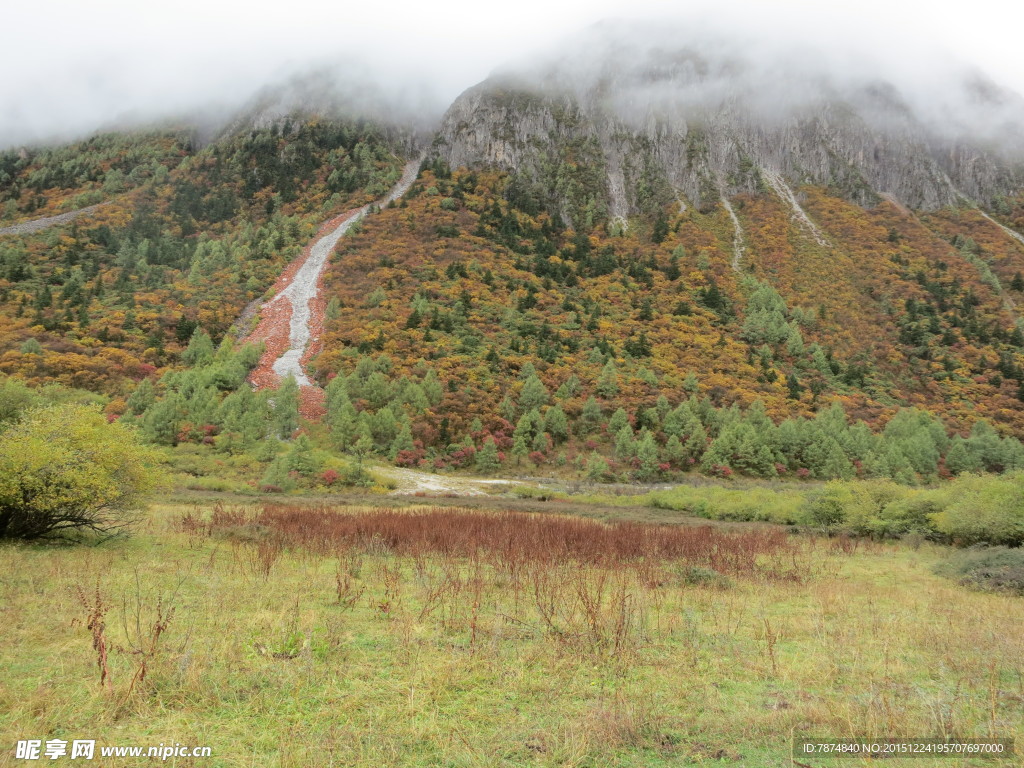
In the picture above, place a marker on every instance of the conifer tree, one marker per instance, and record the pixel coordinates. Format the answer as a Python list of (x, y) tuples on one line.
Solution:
[(590, 417), (618, 420), (200, 349), (278, 475), (403, 442), (624, 443), (486, 459), (647, 454), (675, 452), (534, 394), (300, 457), (608, 382), (162, 422), (142, 398), (286, 408), (569, 389), (433, 389), (597, 467), (960, 458), (556, 423), (541, 441), (520, 448), (697, 442)]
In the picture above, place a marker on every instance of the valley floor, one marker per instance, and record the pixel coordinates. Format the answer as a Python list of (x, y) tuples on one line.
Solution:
[(377, 654)]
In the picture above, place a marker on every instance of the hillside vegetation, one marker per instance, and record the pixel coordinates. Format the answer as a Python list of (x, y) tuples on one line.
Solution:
[(466, 316), (466, 326), (193, 236)]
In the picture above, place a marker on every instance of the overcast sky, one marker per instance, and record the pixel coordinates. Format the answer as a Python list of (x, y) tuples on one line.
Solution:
[(70, 67)]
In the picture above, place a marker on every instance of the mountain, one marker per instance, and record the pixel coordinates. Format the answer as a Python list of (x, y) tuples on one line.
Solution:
[(175, 230), (651, 252), (691, 221), (632, 117)]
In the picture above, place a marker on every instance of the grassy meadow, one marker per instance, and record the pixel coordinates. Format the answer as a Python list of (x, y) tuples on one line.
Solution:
[(291, 635)]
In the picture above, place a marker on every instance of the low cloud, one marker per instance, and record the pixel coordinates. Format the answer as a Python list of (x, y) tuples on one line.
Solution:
[(71, 68)]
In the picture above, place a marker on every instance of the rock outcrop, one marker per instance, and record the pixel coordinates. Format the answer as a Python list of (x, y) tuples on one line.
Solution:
[(630, 128)]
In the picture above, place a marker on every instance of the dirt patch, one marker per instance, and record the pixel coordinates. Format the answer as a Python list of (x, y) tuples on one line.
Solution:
[(411, 482), (274, 327), (34, 225), (291, 323), (312, 403)]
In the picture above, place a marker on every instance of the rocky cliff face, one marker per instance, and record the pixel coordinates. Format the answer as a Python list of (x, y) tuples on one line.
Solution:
[(630, 128)]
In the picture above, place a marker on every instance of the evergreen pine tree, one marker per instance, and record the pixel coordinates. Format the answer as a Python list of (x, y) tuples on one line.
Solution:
[(487, 457), (960, 458), (402, 442), (200, 349), (647, 454), (590, 417), (286, 408), (344, 424), (142, 398), (675, 452), (608, 382), (696, 443), (519, 448), (624, 443), (534, 394), (556, 423), (618, 420), (300, 457)]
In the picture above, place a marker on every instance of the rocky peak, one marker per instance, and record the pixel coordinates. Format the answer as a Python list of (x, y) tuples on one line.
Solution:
[(623, 121)]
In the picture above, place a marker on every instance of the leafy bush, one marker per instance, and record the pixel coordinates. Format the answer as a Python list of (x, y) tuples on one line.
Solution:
[(217, 484), (911, 515), (65, 469), (984, 509), (774, 505), (971, 509), (994, 569), (864, 508), (828, 509), (15, 398)]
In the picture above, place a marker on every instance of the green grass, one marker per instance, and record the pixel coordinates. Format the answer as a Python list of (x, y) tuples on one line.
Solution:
[(262, 663), (776, 503)]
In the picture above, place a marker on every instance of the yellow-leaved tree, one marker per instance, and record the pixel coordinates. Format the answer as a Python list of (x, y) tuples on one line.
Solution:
[(64, 469)]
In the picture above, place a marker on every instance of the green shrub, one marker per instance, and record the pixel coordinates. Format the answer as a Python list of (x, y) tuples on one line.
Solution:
[(214, 484), (911, 515), (65, 469), (861, 508), (971, 509), (828, 508), (992, 569), (742, 504), (354, 476), (983, 509), (15, 399)]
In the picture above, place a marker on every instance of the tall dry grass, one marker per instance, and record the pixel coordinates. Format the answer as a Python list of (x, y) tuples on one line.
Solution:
[(508, 539), (588, 586)]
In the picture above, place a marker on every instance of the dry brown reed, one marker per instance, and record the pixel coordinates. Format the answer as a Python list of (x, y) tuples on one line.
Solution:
[(96, 608), (506, 540), (587, 586)]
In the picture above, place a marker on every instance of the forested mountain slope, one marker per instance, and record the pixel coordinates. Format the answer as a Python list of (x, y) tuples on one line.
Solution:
[(526, 318), (628, 265), (184, 237)]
